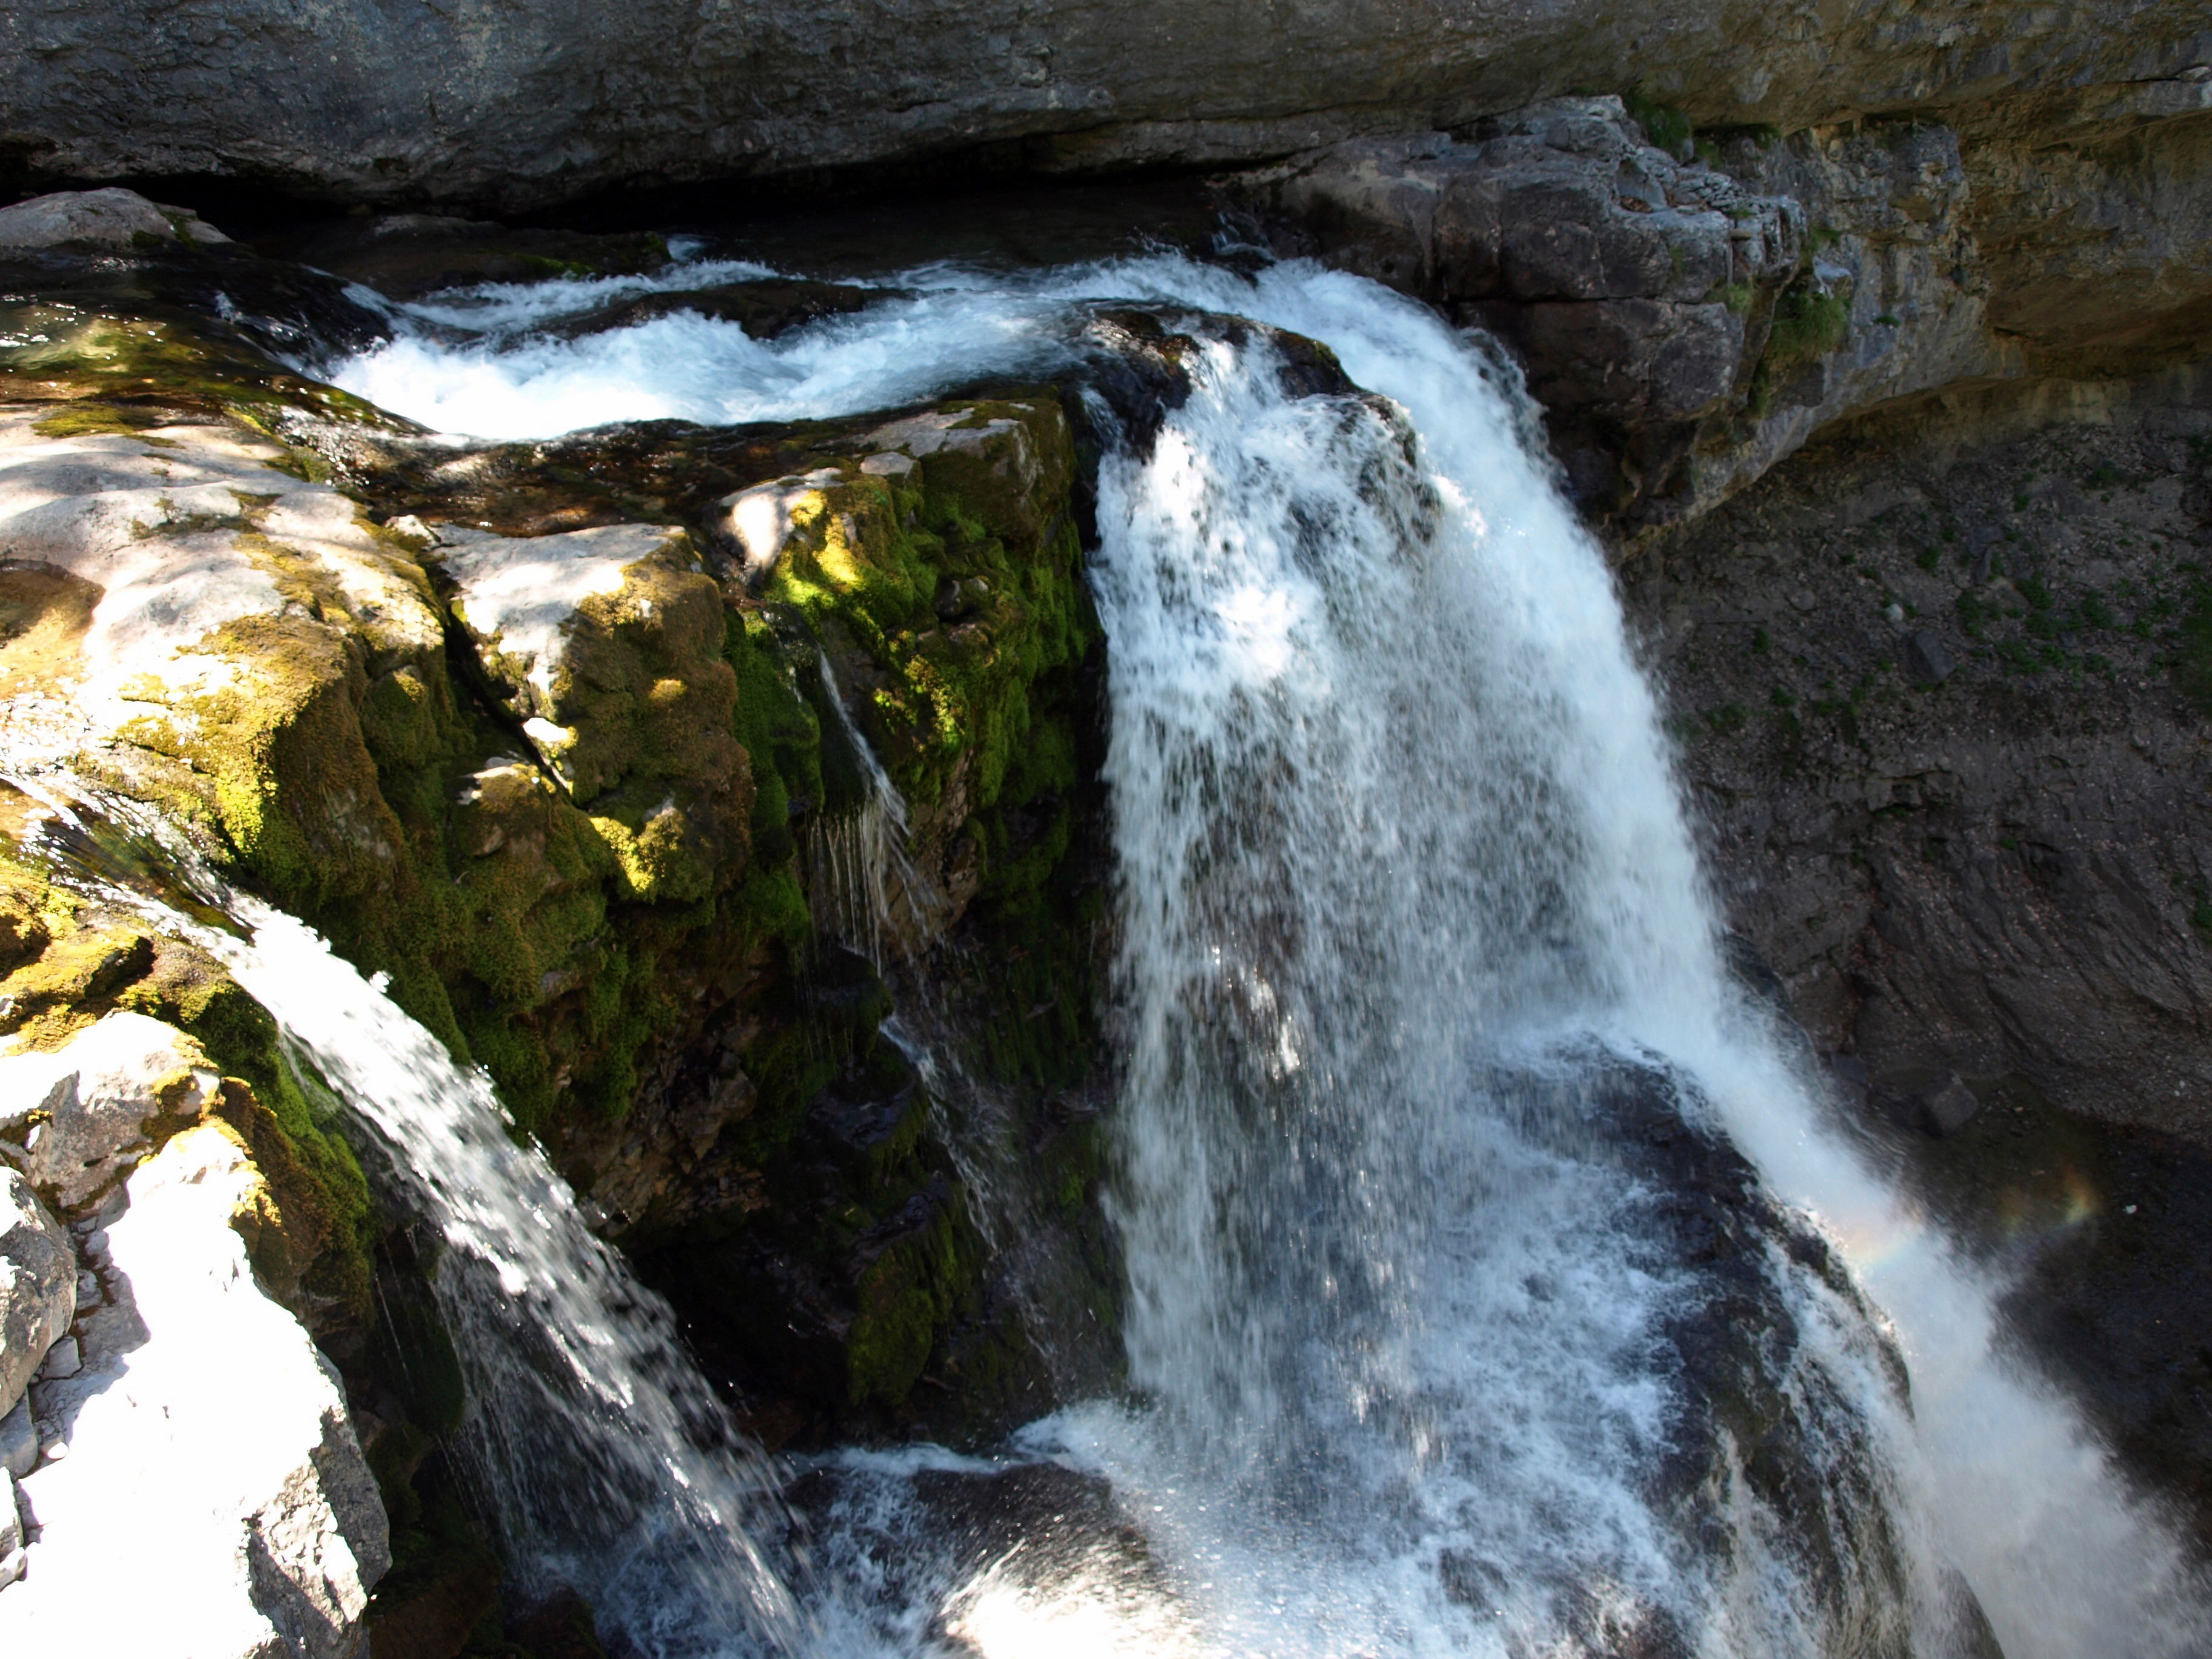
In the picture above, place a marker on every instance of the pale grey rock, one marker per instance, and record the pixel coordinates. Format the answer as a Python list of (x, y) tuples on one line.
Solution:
[(205, 1442), (515, 106), (117, 219), (19, 1440), (74, 1118), (181, 530), (38, 1285), (758, 521), (63, 1359)]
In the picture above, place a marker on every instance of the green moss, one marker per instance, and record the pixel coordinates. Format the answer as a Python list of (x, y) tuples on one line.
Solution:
[(905, 1296), (50, 351), (82, 420), (1667, 127), (1807, 326), (954, 592), (290, 1126)]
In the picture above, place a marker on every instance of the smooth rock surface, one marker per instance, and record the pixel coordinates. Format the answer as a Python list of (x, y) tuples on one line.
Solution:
[(38, 1289), (167, 543), (511, 107), (120, 219), (207, 1446)]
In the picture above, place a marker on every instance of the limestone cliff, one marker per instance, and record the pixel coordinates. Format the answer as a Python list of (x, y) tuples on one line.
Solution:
[(481, 102)]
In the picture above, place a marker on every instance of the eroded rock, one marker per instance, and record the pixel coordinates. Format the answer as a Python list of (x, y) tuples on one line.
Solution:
[(74, 1118), (38, 1291), (202, 1439)]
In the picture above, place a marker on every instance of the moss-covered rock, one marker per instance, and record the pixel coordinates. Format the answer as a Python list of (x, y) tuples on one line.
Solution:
[(515, 725)]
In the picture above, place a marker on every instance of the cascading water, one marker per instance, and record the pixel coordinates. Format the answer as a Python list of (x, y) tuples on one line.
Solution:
[(1438, 1090), (607, 1460)]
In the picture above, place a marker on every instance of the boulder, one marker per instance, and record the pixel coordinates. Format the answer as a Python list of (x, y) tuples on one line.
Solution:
[(204, 1440), (1925, 658), (117, 219), (74, 1118), (1948, 1108), (37, 1289)]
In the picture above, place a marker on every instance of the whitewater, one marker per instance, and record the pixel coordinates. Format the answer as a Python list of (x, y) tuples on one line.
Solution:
[(1408, 903)]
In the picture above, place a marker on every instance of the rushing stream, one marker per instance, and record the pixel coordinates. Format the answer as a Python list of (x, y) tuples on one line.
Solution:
[(1438, 1094)]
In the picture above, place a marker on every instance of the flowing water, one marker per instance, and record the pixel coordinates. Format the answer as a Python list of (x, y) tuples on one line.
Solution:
[(1438, 1093)]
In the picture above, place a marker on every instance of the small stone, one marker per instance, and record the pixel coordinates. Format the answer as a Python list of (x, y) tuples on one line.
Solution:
[(1947, 1110), (1802, 599), (1926, 660), (890, 463)]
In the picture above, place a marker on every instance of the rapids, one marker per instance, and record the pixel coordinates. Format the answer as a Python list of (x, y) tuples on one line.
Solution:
[(1422, 1008)]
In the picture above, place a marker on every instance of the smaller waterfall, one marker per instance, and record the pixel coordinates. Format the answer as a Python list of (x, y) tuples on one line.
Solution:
[(865, 892), (607, 1462)]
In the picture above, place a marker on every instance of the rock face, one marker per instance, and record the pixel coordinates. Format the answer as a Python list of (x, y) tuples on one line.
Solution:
[(38, 1287), (490, 105), (79, 1114), (1689, 316), (1999, 870), (614, 812), (199, 1436)]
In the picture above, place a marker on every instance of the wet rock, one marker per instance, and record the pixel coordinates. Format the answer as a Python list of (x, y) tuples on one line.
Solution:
[(764, 308), (38, 1289), (203, 1438), (405, 256), (102, 219)]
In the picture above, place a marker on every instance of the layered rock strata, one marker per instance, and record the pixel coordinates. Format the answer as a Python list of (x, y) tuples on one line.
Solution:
[(485, 106)]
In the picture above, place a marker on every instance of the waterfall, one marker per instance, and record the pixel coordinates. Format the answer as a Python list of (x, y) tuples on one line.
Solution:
[(1496, 1284), (607, 1462), (864, 889)]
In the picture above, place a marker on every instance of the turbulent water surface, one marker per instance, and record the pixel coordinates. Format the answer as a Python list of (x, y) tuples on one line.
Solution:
[(1437, 1095)]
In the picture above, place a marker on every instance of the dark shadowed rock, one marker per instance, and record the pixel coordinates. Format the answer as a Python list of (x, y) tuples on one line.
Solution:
[(1926, 658)]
